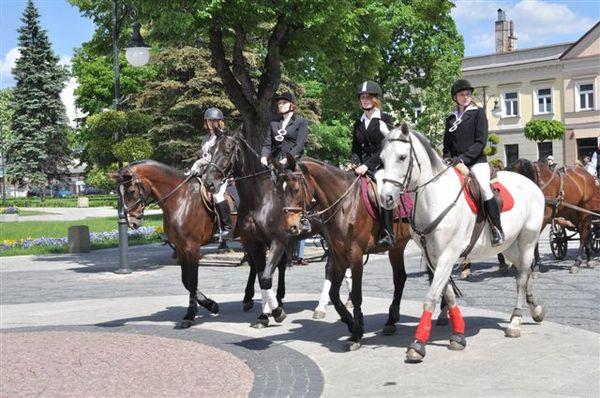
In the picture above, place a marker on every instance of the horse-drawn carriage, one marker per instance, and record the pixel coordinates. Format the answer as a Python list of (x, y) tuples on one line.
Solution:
[(562, 231)]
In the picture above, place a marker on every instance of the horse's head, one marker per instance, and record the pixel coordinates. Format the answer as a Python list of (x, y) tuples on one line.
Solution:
[(226, 153), (297, 195), (133, 195), (398, 156)]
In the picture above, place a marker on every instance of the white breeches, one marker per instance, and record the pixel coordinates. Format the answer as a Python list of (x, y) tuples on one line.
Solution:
[(220, 195), (481, 171)]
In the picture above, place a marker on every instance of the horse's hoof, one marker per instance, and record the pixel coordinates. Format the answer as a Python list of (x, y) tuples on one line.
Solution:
[(354, 345), (319, 314), (210, 305), (279, 314), (184, 324), (537, 313), (465, 274), (512, 332), (457, 342), (574, 269), (262, 322), (415, 352), (349, 304), (591, 264), (503, 269), (389, 330), (247, 305)]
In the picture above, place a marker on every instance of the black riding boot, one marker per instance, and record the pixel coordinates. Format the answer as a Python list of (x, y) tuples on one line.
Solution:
[(387, 239), (224, 219), (493, 213)]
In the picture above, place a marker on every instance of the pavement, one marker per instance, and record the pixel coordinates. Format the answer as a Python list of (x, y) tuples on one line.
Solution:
[(75, 213), (69, 326)]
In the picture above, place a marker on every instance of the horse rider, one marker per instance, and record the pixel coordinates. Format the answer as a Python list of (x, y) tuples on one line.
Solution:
[(550, 161), (215, 124), (367, 142), (465, 137), (593, 167), (286, 134)]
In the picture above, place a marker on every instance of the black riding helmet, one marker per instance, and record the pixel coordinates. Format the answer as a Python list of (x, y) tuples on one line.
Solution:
[(460, 85), (213, 114), (287, 96), (369, 87)]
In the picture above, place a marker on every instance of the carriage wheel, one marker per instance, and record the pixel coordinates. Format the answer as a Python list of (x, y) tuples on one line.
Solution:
[(558, 241), (595, 240)]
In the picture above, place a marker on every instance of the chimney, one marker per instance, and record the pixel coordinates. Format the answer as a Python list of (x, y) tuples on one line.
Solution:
[(512, 39), (502, 41)]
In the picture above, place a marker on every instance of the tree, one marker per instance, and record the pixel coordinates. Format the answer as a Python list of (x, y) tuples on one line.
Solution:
[(544, 130), (40, 150)]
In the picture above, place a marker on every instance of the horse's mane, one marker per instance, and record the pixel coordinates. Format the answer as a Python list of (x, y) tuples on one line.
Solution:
[(434, 158), (524, 167), (336, 171), (170, 171)]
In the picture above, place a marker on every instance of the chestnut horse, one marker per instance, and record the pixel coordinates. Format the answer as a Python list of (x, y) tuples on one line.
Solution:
[(187, 222), (574, 186), (350, 231)]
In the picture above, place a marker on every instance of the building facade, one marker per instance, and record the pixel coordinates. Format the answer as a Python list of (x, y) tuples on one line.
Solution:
[(556, 82)]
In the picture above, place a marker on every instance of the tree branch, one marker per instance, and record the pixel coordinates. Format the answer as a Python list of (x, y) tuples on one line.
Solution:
[(271, 76), (232, 86), (240, 68)]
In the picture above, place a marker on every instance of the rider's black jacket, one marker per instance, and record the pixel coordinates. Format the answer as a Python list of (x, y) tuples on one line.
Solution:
[(470, 137), (293, 140), (367, 143)]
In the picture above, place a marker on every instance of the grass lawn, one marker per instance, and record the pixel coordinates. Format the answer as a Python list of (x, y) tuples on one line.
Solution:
[(23, 212), (58, 229)]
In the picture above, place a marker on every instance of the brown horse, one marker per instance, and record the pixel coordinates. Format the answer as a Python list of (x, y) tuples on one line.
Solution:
[(574, 186), (350, 231), (188, 223)]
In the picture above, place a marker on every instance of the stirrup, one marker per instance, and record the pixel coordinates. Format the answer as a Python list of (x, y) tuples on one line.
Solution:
[(386, 240), (223, 234), (497, 236)]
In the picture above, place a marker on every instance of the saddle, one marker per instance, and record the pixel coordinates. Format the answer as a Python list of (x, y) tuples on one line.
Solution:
[(368, 189)]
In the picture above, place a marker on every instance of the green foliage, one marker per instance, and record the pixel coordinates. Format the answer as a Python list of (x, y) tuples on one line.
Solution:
[(39, 148), (98, 178), (544, 130), (100, 134), (497, 164), (6, 112), (331, 141), (492, 145), (132, 149), (94, 201), (494, 138)]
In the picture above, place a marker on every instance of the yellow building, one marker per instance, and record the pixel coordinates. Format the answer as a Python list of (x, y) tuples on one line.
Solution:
[(555, 82)]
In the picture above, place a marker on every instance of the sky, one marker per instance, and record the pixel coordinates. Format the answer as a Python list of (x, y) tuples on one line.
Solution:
[(537, 23)]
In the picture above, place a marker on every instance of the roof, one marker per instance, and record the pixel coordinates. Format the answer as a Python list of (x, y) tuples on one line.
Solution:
[(585, 35), (517, 57)]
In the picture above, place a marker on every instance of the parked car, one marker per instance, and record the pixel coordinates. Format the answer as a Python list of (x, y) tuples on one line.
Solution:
[(89, 190), (54, 192)]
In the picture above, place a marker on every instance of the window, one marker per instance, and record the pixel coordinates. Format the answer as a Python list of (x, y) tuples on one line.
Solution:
[(544, 149), (512, 153), (586, 147), (511, 104), (544, 101), (586, 96)]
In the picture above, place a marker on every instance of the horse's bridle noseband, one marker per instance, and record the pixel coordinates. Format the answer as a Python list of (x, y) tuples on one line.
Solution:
[(407, 177)]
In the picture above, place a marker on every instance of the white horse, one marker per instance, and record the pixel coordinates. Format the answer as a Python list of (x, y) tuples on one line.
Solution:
[(410, 163)]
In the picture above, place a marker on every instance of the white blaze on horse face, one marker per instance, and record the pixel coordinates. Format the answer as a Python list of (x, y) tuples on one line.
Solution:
[(284, 185), (395, 157)]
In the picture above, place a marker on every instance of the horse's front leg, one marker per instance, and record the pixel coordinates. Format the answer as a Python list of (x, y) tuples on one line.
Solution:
[(358, 328), (189, 277), (584, 231), (265, 278), (443, 268), (248, 301), (282, 266), (396, 257), (337, 275), (320, 311)]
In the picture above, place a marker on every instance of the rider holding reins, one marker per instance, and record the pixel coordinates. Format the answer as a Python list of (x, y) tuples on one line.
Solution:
[(215, 124), (465, 138), (367, 143)]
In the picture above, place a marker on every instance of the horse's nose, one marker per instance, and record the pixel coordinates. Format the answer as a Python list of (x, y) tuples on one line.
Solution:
[(389, 201), (294, 230)]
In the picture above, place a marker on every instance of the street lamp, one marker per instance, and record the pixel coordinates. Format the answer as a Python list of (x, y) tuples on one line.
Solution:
[(137, 54), (496, 111)]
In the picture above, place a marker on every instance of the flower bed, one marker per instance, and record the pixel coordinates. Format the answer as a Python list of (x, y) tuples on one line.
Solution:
[(95, 237)]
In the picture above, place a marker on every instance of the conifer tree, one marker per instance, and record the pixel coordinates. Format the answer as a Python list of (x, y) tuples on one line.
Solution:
[(39, 151)]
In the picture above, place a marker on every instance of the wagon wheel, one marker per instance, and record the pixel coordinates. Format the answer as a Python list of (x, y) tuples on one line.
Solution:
[(558, 241), (595, 238)]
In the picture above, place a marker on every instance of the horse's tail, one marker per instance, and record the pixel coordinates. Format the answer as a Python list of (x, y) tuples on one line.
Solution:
[(523, 167)]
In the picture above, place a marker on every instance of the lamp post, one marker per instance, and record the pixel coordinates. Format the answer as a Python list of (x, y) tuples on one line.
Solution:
[(137, 54)]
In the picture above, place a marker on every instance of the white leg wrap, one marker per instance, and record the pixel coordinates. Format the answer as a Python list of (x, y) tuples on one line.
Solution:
[(348, 279), (265, 301), (324, 299)]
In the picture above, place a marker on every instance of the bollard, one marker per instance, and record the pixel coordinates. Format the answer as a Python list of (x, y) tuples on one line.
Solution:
[(78, 239), (83, 202)]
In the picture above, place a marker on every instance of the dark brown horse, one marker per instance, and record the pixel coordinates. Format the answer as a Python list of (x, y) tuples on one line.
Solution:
[(571, 186), (260, 215), (187, 221), (350, 231)]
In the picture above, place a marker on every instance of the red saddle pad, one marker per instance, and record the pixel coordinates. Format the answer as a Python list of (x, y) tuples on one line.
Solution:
[(507, 199)]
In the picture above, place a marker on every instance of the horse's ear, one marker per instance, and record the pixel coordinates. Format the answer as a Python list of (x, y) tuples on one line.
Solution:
[(404, 128), (291, 161), (113, 176), (276, 165)]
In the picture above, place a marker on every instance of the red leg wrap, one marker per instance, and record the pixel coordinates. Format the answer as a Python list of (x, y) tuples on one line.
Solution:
[(424, 328), (456, 320)]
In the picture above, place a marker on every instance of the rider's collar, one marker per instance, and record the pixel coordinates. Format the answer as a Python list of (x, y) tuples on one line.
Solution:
[(471, 107), (376, 114)]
